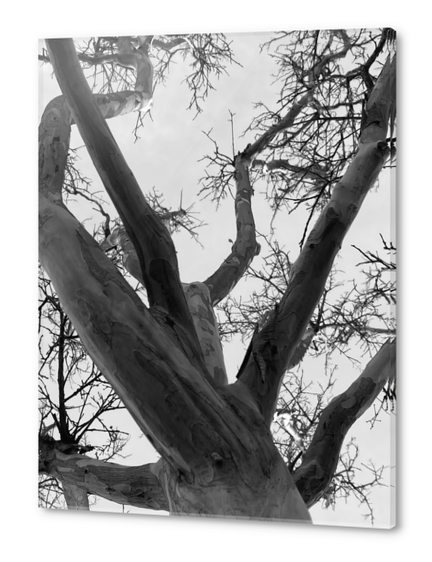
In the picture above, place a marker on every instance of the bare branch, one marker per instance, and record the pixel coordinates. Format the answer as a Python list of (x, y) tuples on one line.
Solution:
[(126, 485), (245, 246), (154, 246), (281, 333), (320, 460)]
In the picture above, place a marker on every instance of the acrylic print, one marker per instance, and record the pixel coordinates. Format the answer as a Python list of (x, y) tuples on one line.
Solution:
[(217, 275)]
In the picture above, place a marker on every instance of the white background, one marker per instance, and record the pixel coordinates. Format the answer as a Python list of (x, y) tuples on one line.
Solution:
[(36, 534)]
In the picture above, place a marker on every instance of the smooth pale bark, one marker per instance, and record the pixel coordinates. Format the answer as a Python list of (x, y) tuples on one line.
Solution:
[(322, 456), (274, 345)]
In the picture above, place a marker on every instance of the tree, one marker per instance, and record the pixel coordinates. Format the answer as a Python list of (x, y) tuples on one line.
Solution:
[(322, 149)]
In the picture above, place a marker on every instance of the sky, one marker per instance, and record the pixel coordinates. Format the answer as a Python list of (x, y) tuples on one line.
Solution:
[(167, 157)]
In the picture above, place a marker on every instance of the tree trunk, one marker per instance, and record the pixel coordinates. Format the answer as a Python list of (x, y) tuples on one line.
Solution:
[(76, 497)]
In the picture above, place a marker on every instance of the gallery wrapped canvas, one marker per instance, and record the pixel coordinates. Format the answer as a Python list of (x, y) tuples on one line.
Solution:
[(217, 275)]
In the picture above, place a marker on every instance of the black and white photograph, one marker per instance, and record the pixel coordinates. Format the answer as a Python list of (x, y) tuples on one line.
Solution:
[(217, 276)]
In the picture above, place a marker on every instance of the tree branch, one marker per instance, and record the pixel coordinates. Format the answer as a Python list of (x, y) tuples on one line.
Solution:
[(198, 299), (245, 246), (152, 241), (54, 139), (274, 345), (190, 425), (314, 172), (311, 83), (168, 45), (381, 105), (81, 475), (320, 460), (135, 350)]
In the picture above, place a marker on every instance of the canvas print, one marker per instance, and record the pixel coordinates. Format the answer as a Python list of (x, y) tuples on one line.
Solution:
[(217, 332)]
